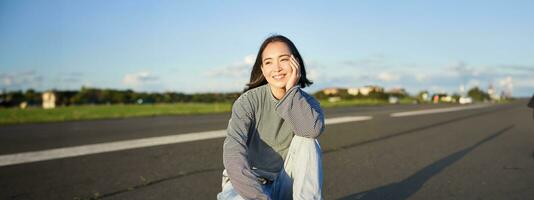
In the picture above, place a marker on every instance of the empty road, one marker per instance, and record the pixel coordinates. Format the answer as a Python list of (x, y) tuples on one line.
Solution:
[(480, 151)]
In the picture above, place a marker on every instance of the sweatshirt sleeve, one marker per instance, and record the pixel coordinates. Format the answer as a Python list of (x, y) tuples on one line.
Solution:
[(235, 152), (302, 111)]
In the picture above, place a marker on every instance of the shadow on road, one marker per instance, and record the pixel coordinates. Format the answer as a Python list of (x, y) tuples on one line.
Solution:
[(410, 185), (415, 130)]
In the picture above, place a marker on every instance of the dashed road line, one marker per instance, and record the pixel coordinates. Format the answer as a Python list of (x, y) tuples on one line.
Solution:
[(438, 110), (66, 152)]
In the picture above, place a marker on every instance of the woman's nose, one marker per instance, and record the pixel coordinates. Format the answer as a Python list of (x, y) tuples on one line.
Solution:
[(278, 66)]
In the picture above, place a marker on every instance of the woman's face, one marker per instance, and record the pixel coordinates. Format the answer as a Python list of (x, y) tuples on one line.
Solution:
[(275, 64)]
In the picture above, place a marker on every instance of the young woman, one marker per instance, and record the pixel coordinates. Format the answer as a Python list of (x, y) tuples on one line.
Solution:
[(271, 150)]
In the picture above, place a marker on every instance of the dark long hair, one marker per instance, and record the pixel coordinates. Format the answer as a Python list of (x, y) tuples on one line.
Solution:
[(256, 76)]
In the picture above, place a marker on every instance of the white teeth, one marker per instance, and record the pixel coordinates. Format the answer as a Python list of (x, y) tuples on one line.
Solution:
[(278, 76)]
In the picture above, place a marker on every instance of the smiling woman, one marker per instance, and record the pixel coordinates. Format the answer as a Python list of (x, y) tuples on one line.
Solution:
[(271, 149), (274, 54)]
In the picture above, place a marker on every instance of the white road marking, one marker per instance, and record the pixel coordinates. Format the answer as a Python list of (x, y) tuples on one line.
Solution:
[(66, 152), (438, 110), (339, 120)]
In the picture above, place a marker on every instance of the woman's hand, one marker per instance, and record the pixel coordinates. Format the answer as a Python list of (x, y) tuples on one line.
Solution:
[(295, 73)]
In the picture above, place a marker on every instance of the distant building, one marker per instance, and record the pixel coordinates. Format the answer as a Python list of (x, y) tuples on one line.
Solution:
[(393, 100), (506, 87), (366, 90), (424, 96), (353, 91), (331, 91), (446, 99), (334, 99), (49, 100), (23, 105), (493, 93)]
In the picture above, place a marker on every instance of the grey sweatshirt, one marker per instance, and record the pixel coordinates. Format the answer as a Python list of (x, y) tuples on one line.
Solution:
[(260, 131)]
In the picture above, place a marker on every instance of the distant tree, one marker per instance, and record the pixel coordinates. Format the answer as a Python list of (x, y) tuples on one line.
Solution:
[(88, 95), (477, 94), (168, 97), (203, 98), (320, 95), (377, 95), (65, 97), (344, 94), (400, 93), (456, 97), (32, 97), (12, 98)]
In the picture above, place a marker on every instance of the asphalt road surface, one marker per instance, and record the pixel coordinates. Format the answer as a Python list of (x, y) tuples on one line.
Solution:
[(483, 151)]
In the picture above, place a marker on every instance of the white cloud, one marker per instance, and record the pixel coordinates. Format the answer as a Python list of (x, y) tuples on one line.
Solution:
[(237, 70), (312, 74), (417, 77), (7, 80), (388, 76), (250, 59), (473, 83), (138, 79), (228, 78), (314, 70), (374, 60), (21, 80), (525, 83), (462, 70), (506, 81), (421, 77), (437, 89)]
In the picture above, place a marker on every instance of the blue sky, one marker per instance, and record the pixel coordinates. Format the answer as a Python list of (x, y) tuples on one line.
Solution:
[(207, 46)]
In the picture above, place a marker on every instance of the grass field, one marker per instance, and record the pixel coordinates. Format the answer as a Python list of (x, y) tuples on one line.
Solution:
[(88, 112)]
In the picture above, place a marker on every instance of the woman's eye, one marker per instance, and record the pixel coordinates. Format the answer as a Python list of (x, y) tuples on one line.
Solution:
[(267, 63), (285, 59)]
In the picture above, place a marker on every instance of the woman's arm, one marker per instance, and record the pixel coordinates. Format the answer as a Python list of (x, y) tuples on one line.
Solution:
[(235, 152), (302, 111)]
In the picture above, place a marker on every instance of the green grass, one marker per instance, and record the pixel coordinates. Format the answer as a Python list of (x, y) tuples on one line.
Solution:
[(355, 102), (88, 112)]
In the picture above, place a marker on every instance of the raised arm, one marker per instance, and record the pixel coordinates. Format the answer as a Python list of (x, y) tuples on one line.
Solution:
[(302, 111), (235, 152)]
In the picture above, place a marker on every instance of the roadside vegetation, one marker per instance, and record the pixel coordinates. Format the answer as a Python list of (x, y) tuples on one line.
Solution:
[(19, 107)]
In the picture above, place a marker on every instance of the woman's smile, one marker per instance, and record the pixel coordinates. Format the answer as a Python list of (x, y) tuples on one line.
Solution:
[(279, 77)]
